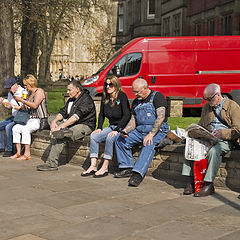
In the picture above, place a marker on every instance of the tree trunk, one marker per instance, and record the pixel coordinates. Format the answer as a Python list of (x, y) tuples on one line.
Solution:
[(29, 42), (7, 46), (46, 48)]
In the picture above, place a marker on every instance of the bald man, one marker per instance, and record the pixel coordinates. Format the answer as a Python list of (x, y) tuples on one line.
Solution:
[(148, 125), (221, 116)]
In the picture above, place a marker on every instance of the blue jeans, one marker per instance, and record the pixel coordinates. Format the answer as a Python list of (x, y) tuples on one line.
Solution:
[(96, 138), (6, 125), (124, 149)]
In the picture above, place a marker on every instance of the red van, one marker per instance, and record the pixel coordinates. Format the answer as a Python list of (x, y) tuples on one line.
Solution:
[(175, 66)]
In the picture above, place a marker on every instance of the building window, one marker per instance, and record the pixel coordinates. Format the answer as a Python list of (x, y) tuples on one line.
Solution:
[(120, 18), (151, 9), (211, 27), (198, 29), (227, 25), (166, 27), (176, 24)]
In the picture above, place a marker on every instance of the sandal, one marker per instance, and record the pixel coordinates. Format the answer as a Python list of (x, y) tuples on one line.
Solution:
[(15, 156), (24, 157)]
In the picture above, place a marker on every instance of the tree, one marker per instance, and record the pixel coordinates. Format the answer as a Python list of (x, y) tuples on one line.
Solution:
[(7, 49)]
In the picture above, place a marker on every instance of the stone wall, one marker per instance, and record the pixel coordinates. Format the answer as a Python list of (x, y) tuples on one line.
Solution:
[(166, 164)]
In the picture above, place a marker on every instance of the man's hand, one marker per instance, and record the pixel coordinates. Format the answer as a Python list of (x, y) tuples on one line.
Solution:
[(53, 126), (217, 133), (148, 140)]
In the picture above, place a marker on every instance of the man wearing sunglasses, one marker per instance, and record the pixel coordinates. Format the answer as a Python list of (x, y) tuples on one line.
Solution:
[(6, 125), (221, 116)]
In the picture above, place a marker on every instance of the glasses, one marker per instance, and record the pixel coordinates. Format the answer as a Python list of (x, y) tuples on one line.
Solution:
[(111, 85), (209, 99)]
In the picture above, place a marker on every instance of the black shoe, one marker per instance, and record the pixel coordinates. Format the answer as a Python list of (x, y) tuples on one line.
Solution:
[(88, 174), (7, 154), (127, 172), (189, 189), (2, 150), (46, 167), (135, 180), (100, 176), (207, 190), (62, 133)]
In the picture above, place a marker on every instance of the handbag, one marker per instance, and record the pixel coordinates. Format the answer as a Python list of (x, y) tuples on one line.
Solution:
[(21, 117), (44, 124)]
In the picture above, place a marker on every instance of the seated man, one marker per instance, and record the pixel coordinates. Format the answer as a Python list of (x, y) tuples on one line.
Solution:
[(148, 125), (76, 119), (7, 124), (220, 115)]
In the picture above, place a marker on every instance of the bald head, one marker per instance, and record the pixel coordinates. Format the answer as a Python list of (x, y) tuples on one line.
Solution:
[(140, 88), (140, 82)]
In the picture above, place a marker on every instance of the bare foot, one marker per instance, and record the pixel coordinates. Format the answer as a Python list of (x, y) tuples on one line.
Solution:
[(101, 171), (90, 169)]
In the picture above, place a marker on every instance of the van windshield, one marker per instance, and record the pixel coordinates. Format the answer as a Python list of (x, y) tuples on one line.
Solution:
[(108, 62)]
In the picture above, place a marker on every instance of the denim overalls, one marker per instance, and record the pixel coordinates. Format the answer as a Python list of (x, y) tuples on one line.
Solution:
[(145, 118)]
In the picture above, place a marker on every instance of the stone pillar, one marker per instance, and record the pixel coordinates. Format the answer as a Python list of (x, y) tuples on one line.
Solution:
[(175, 106)]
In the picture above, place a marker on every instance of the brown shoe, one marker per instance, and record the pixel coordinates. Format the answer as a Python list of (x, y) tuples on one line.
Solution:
[(189, 189), (205, 191)]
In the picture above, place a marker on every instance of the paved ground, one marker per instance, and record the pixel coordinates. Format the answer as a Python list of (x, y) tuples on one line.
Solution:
[(65, 206)]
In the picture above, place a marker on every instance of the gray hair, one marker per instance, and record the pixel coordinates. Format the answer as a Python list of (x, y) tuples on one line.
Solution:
[(140, 82), (213, 87)]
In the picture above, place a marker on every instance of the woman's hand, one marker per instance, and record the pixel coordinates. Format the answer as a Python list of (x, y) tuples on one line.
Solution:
[(113, 133), (96, 131)]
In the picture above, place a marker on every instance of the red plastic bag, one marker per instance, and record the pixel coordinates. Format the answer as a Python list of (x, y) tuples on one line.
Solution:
[(199, 169)]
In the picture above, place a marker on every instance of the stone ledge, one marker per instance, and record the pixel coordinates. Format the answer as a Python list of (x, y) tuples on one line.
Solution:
[(166, 164)]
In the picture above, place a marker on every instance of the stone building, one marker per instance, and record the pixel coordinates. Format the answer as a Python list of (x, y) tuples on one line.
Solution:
[(169, 18), (85, 48)]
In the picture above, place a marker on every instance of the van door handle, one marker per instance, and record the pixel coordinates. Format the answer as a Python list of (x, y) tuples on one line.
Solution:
[(153, 79)]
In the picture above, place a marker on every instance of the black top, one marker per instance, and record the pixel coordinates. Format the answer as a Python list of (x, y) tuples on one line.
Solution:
[(83, 108), (118, 115), (158, 101)]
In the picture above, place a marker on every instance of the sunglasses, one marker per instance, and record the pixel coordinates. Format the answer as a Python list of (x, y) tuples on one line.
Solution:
[(111, 85), (209, 99)]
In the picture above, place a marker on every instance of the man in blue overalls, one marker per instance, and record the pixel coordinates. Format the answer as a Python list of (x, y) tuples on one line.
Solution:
[(148, 125)]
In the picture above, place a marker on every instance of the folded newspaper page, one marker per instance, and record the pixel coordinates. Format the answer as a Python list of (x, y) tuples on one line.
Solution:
[(196, 149), (198, 142)]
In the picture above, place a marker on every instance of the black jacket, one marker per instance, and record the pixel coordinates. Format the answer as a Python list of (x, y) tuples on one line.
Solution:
[(83, 108)]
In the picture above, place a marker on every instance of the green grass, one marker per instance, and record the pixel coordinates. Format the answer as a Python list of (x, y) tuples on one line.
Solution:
[(55, 100), (181, 122)]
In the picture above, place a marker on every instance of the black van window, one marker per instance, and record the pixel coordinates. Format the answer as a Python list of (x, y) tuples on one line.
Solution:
[(119, 68), (132, 67), (133, 64)]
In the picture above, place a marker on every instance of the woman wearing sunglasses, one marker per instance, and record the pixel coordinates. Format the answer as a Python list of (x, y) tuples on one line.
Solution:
[(37, 107), (115, 107)]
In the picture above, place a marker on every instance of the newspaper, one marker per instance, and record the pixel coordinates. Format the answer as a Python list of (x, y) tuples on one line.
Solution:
[(198, 142), (197, 131)]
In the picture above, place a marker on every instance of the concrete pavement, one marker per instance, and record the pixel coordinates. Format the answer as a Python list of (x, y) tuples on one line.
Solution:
[(65, 206)]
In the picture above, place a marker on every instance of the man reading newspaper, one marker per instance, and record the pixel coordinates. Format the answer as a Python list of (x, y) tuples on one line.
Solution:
[(220, 116)]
